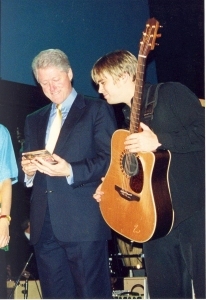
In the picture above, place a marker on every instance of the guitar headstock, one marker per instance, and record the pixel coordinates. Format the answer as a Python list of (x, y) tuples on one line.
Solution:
[(149, 37)]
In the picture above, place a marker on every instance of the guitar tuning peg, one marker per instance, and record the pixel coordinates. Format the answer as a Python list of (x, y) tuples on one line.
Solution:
[(156, 44), (158, 35), (160, 26)]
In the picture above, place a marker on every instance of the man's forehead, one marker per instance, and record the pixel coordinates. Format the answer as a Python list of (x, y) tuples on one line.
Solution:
[(102, 76)]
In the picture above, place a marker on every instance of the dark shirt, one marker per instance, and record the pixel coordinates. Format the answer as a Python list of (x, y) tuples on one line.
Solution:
[(178, 122)]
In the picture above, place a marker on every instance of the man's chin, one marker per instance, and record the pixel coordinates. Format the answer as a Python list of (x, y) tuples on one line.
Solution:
[(109, 101)]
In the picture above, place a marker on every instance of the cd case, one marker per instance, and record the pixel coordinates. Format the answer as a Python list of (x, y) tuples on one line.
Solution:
[(45, 154)]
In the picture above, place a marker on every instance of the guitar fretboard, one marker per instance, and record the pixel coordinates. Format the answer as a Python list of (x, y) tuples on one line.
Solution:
[(136, 104)]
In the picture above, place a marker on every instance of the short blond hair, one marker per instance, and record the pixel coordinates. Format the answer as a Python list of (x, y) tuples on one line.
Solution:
[(116, 64)]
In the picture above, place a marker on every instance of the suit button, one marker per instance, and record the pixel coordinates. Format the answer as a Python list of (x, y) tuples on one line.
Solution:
[(48, 192)]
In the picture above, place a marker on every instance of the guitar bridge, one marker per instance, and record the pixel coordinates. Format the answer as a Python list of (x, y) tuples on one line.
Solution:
[(126, 195)]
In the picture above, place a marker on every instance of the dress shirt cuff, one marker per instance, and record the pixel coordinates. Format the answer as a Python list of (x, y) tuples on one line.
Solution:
[(70, 178), (29, 181)]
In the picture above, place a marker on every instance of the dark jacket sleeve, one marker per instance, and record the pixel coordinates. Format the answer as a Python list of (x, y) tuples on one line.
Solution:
[(181, 128), (93, 167)]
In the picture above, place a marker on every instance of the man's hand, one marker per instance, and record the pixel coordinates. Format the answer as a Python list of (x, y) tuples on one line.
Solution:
[(60, 169), (98, 192), (146, 140), (28, 167)]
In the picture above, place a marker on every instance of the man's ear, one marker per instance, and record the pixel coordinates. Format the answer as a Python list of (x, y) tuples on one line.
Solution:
[(125, 77), (70, 74)]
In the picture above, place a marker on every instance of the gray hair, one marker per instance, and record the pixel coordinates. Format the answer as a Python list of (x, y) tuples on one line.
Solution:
[(48, 58)]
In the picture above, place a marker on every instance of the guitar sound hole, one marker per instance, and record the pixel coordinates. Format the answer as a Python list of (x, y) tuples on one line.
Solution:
[(130, 164)]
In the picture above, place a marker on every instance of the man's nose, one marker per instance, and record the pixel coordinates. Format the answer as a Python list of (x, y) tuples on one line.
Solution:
[(52, 87)]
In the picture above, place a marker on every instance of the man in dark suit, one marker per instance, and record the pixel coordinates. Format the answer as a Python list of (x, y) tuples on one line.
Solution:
[(67, 230)]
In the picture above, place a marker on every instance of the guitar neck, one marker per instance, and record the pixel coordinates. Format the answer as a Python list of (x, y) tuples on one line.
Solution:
[(136, 104), (146, 45)]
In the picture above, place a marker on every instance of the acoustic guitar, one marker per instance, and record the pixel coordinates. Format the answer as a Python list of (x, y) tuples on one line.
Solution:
[(137, 202)]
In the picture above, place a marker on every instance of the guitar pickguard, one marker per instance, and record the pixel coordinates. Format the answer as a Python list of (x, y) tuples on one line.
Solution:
[(131, 167)]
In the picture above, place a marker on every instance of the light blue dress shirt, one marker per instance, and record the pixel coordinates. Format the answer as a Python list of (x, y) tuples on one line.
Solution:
[(65, 108)]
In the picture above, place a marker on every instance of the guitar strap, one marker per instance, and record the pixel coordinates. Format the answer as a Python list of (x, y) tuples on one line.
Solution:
[(151, 101)]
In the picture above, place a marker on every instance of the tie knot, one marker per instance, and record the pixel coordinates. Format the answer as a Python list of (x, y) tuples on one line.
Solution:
[(58, 106)]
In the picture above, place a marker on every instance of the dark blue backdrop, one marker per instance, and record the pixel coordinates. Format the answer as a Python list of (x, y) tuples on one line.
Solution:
[(84, 29)]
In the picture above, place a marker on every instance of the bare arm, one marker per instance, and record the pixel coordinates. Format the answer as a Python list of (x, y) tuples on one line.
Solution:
[(6, 193)]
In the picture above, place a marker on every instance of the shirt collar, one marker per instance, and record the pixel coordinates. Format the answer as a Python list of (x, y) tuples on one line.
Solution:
[(66, 105)]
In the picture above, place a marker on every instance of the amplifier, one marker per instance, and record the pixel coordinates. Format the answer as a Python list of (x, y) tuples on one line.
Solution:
[(34, 289), (137, 285)]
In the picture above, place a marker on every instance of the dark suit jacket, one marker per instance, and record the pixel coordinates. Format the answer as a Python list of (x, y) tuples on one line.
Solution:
[(84, 142)]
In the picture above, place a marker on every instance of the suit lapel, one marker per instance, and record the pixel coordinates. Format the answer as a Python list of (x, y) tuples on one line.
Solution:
[(75, 113)]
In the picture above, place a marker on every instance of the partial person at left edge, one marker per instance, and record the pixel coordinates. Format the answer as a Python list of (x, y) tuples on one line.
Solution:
[(68, 232), (8, 176)]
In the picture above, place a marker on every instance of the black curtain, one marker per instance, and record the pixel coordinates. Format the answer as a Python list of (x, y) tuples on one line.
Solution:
[(180, 54)]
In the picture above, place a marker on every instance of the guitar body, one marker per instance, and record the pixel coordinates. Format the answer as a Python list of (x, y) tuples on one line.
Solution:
[(138, 207)]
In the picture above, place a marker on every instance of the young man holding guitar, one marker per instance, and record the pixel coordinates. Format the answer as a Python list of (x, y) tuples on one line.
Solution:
[(176, 257)]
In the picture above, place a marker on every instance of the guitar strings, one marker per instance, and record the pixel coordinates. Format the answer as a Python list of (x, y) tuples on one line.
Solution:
[(134, 121)]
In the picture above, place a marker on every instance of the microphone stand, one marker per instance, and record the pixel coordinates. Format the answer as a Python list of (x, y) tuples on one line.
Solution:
[(18, 280), (25, 292)]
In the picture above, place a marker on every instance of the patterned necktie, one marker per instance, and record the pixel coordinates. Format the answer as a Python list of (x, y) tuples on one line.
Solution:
[(54, 130)]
